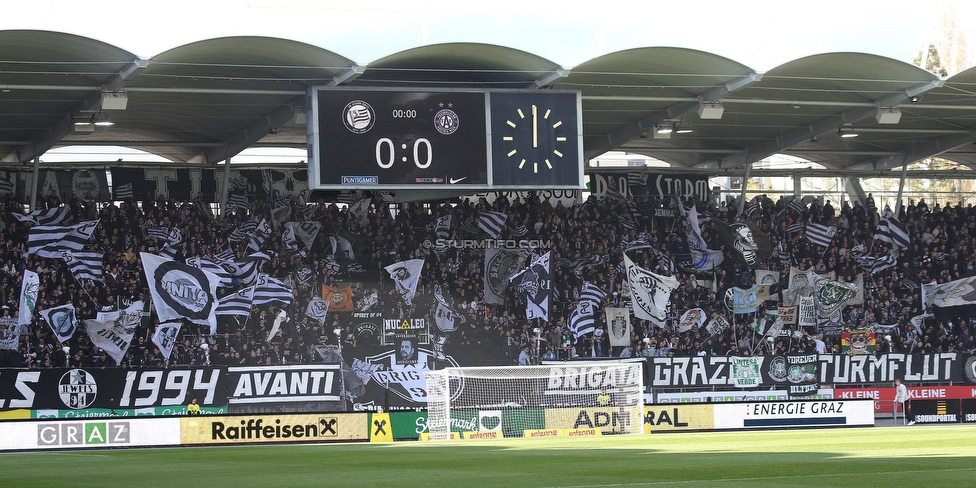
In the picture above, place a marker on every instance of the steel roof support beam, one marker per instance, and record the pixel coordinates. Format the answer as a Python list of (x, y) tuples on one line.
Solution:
[(62, 126), (795, 136), (919, 152), (625, 133), (551, 77)]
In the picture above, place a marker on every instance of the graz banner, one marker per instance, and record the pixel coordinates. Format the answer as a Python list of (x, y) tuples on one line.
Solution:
[(83, 388), (838, 369)]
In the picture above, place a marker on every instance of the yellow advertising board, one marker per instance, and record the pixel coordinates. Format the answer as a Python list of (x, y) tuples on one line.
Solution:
[(607, 420), (380, 428), (18, 414), (676, 417), (273, 428)]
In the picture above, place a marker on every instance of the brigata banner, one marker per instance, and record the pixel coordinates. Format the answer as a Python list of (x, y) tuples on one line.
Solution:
[(273, 428), (838, 369)]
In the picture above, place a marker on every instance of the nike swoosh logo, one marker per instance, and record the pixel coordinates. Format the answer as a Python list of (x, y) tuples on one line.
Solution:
[(458, 180)]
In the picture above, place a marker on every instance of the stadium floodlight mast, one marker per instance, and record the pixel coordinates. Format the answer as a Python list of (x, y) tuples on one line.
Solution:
[(521, 401)]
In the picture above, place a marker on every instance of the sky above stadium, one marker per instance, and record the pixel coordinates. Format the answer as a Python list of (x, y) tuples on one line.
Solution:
[(761, 34)]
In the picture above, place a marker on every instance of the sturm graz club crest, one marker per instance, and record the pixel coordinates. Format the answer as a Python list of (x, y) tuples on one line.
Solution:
[(77, 389), (778, 371), (358, 117)]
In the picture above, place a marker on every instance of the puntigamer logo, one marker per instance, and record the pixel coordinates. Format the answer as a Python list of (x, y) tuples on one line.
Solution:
[(83, 434)]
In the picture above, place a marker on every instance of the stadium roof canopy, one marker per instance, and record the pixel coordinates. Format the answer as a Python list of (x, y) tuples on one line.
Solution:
[(206, 101)]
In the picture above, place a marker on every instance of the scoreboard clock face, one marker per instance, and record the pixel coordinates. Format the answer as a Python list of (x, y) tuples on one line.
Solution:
[(399, 139), (380, 139), (536, 139)]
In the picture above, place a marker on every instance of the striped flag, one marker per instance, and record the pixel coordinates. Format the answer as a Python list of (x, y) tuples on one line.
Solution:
[(226, 280), (238, 303), (626, 221), (797, 205), (53, 216), (592, 293), (820, 234), (226, 255), (270, 289), (520, 231), (48, 240), (492, 223), (202, 208), (280, 210), (123, 192), (752, 208), (160, 233), (84, 265), (238, 200), (581, 321), (795, 227), (6, 186), (893, 231), (442, 227), (248, 268), (636, 179), (259, 235)]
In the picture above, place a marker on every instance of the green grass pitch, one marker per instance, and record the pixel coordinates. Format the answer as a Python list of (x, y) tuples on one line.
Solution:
[(862, 457)]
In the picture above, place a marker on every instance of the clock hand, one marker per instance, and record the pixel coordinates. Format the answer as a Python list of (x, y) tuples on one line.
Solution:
[(535, 126)]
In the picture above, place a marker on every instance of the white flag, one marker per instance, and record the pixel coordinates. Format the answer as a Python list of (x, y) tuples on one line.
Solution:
[(281, 318), (650, 292), (165, 337), (406, 275), (113, 331), (181, 291), (318, 308), (62, 321), (28, 296)]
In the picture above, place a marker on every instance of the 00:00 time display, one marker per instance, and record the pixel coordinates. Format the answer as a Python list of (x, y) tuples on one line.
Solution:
[(386, 152), (404, 114)]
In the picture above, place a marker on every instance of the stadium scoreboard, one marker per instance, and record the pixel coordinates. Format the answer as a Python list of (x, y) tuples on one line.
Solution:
[(387, 139)]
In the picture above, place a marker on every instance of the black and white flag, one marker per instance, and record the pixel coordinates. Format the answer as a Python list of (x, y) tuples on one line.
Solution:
[(893, 231), (535, 284), (797, 205), (288, 240), (247, 268), (6, 186), (442, 227), (237, 303), (317, 309), (581, 321), (359, 211), (113, 331), (84, 265), (821, 235), (492, 223), (165, 337), (259, 235), (650, 292), (406, 275), (270, 289), (123, 192), (52, 216), (226, 279), (592, 293), (238, 201), (62, 321), (280, 211), (306, 231), (181, 291), (48, 240)]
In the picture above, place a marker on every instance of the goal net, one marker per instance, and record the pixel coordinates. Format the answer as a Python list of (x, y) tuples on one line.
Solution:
[(518, 401)]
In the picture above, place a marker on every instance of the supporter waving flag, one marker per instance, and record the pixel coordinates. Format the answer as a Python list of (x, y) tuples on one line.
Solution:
[(226, 280), (650, 292), (797, 205), (181, 291), (238, 303), (492, 223), (47, 241), (581, 321), (113, 331), (271, 289), (592, 293), (165, 337), (442, 227), (821, 235), (84, 265), (317, 309), (893, 231), (406, 275), (259, 235), (53, 216), (62, 321), (535, 284), (745, 242)]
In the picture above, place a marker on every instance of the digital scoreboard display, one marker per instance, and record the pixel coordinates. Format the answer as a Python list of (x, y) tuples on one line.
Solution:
[(385, 139)]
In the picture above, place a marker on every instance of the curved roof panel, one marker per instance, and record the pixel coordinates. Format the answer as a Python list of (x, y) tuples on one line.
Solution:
[(206, 101)]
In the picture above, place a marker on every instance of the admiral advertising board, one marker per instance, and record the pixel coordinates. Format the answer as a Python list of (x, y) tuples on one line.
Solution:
[(670, 418), (100, 433)]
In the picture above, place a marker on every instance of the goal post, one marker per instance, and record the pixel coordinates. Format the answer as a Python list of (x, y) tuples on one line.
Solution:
[(511, 401)]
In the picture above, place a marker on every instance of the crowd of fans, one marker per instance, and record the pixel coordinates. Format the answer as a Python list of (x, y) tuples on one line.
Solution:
[(587, 242)]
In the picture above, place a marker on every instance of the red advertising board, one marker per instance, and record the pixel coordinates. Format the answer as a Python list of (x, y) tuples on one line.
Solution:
[(884, 397)]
